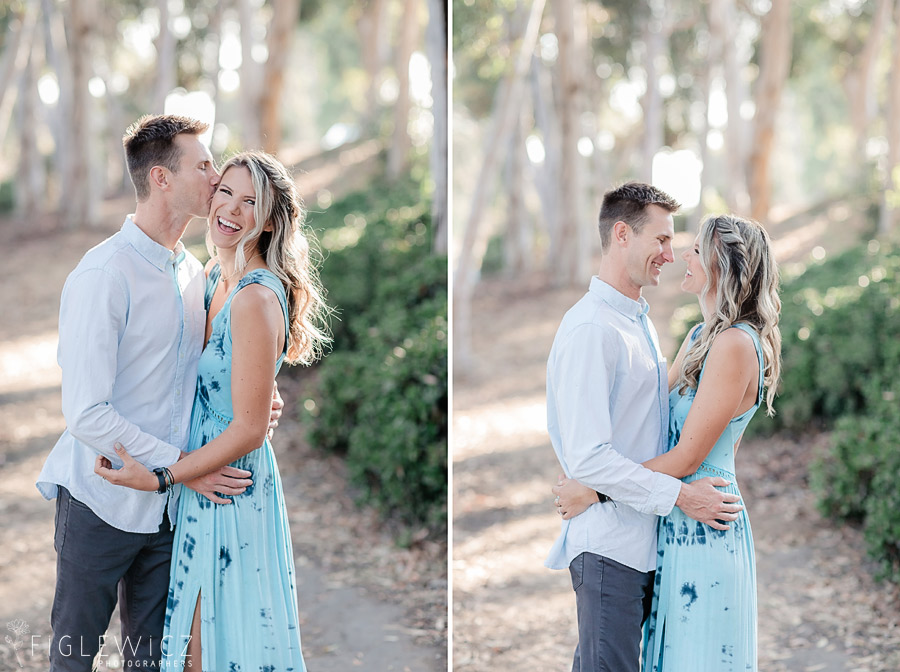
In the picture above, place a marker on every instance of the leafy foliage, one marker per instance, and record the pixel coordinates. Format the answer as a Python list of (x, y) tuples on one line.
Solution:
[(840, 321), (857, 478), (383, 391)]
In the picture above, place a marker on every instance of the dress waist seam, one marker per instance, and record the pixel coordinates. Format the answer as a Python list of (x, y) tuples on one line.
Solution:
[(215, 414), (711, 470)]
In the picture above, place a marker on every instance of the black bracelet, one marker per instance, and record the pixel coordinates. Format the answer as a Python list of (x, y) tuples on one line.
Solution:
[(170, 480), (161, 476), (602, 498)]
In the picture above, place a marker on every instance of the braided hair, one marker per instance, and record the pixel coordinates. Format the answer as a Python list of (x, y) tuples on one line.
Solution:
[(287, 251), (740, 267)]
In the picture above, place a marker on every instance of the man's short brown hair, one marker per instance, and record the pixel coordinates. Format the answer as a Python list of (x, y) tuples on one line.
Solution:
[(150, 142), (628, 204)]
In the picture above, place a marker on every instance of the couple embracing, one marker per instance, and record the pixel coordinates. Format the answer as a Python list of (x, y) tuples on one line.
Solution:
[(168, 392), (653, 531)]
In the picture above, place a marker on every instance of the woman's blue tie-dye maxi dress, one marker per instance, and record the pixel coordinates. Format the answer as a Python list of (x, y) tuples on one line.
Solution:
[(704, 598), (237, 556)]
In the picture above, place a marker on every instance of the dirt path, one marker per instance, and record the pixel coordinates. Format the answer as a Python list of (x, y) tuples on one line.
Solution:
[(364, 602), (819, 609)]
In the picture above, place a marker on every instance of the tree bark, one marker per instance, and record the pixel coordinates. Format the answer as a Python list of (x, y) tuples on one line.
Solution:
[(572, 265), (859, 81), (30, 176), (249, 94), (81, 196), (436, 46), (15, 59), (723, 21), (398, 152), (544, 176), (889, 195), (470, 258), (655, 45), (165, 62), (775, 62), (58, 58), (372, 34), (517, 240), (281, 31)]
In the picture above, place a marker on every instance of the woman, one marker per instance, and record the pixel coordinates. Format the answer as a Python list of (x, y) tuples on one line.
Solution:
[(232, 595), (704, 601)]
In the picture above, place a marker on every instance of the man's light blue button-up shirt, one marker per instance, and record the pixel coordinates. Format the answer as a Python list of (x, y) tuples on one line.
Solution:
[(131, 328), (607, 411)]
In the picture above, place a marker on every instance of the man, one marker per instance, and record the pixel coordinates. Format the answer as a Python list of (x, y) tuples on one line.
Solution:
[(607, 411), (131, 329)]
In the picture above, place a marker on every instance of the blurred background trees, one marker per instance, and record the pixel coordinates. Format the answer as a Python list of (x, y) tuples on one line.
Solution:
[(349, 94), (786, 112)]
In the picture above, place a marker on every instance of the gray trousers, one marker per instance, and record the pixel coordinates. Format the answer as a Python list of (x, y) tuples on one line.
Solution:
[(96, 565), (612, 602)]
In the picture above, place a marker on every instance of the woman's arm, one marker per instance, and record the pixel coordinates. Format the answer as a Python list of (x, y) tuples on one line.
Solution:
[(731, 367), (257, 335), (257, 330)]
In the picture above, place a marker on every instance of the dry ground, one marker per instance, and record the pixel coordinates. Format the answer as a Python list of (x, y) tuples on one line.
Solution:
[(364, 602), (819, 609)]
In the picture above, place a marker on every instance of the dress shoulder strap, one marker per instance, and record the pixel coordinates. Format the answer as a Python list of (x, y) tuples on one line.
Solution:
[(743, 326), (265, 277), (212, 281)]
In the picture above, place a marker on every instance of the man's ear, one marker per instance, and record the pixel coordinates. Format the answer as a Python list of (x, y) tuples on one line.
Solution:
[(621, 232), (159, 176)]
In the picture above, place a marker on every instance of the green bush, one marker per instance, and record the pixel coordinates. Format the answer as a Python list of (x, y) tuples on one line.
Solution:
[(839, 326), (382, 397), (858, 477)]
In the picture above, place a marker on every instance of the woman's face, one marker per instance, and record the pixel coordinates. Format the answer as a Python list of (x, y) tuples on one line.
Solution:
[(694, 276), (231, 211)]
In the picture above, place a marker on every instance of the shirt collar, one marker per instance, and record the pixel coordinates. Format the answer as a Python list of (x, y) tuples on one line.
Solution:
[(148, 248), (628, 307)]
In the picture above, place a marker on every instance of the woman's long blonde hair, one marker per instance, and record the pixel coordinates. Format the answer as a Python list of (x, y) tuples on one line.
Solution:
[(736, 255), (288, 250)]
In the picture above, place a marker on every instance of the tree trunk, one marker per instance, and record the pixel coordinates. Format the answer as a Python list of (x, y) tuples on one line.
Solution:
[(249, 93), (281, 31), (544, 176), (165, 62), (692, 224), (573, 263), (372, 34), (517, 241), (80, 200), (735, 153), (775, 62), (15, 60), (58, 58), (211, 68), (398, 152), (469, 260), (889, 195), (652, 105), (30, 176), (859, 81), (436, 46)]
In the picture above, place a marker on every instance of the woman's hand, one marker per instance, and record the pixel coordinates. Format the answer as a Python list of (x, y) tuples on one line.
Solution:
[(133, 474), (572, 498)]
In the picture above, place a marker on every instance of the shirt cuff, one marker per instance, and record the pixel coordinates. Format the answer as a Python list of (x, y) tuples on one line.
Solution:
[(663, 495), (165, 455)]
